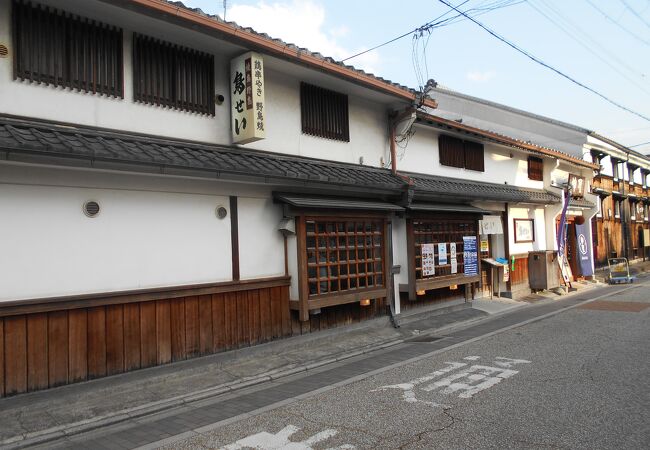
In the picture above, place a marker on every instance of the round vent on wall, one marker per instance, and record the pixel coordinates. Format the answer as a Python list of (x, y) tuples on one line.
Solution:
[(91, 208), (4, 51), (221, 212)]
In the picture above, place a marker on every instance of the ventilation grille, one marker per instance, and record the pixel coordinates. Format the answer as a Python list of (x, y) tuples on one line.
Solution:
[(4, 51), (91, 208)]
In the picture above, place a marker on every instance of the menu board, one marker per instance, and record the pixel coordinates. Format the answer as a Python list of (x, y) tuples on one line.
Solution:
[(470, 256), (428, 260)]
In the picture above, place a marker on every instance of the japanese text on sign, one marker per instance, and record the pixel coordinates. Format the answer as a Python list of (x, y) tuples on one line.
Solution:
[(247, 98), (470, 257)]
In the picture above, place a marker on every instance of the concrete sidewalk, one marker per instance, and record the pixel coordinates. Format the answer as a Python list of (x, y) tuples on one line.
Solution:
[(41, 416)]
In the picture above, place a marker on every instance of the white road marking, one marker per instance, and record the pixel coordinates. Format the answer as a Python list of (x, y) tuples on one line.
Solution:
[(281, 440), (467, 382)]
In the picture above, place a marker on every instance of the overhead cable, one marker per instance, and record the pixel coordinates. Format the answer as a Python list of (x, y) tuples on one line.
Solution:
[(544, 64)]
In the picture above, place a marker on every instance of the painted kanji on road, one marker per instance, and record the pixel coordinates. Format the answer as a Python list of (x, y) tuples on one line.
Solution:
[(457, 378), (281, 440)]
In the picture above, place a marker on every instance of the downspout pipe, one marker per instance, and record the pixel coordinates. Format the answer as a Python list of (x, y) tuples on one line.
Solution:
[(394, 119)]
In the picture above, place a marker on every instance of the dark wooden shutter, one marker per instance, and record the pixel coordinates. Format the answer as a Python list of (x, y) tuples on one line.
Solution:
[(535, 168), (165, 74), (324, 113), (474, 159), (451, 151), (53, 47)]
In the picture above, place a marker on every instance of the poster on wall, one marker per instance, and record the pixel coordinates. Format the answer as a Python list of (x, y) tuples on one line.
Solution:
[(452, 250), (247, 98), (490, 225), (442, 253), (454, 265), (428, 260), (470, 255), (584, 251), (506, 273), (485, 246)]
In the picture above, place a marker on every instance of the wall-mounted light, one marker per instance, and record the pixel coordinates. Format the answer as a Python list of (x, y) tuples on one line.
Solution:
[(453, 287), (287, 226), (365, 302), (421, 292)]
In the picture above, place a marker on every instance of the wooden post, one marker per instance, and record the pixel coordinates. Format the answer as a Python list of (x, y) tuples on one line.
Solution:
[(303, 282), (410, 256)]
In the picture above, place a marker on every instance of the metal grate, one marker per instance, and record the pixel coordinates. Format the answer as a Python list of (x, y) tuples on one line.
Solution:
[(4, 51), (168, 75), (91, 208), (53, 47)]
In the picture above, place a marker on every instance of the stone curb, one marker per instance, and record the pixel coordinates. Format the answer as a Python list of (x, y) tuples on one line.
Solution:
[(67, 430)]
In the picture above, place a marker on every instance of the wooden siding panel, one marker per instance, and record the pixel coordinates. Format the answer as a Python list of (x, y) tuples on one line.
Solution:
[(218, 322), (15, 343), (163, 331), (2, 357), (276, 312), (131, 336), (243, 325), (57, 348), (114, 339), (177, 315), (205, 324), (266, 328), (37, 370), (78, 344), (148, 344), (96, 342), (254, 310), (191, 326)]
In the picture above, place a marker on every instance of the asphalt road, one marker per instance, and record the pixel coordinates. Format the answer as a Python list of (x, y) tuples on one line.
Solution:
[(579, 379)]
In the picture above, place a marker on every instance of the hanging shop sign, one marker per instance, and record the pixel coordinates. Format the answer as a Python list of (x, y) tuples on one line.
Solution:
[(428, 260), (584, 252), (442, 253), (470, 255), (247, 98), (490, 225), (577, 184)]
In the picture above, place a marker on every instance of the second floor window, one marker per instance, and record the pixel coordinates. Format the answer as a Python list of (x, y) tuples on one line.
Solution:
[(56, 48), (324, 113), (168, 75), (535, 168), (456, 152)]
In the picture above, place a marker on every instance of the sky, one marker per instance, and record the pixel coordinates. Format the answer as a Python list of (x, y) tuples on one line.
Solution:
[(603, 44)]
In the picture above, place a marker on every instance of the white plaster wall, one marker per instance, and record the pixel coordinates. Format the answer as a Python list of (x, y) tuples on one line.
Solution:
[(261, 246), (422, 156), (523, 212), (139, 240)]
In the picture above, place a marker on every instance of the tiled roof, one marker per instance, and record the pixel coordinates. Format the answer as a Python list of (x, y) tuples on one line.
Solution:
[(99, 148), (455, 189)]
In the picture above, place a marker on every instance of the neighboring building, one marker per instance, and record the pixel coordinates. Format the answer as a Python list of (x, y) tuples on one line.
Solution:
[(165, 198)]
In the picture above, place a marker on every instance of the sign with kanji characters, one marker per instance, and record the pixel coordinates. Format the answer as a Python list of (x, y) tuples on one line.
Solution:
[(428, 260), (247, 98)]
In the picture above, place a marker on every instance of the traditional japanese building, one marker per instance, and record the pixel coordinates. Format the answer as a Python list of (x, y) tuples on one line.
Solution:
[(174, 185)]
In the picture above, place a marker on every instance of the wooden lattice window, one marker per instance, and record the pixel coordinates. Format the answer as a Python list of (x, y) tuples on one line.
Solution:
[(344, 255), (53, 47), (324, 113), (168, 75), (436, 231), (456, 152), (535, 168)]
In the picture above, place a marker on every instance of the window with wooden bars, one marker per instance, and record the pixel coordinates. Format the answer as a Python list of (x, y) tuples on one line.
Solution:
[(436, 231), (324, 113), (344, 255), (454, 152), (61, 49), (172, 76), (535, 168)]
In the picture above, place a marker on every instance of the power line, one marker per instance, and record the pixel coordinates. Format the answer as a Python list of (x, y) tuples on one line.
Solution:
[(636, 14), (638, 145), (628, 31), (548, 66)]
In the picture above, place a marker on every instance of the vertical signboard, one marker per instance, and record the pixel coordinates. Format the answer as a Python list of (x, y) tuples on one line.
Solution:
[(247, 98), (452, 257), (442, 253), (470, 256)]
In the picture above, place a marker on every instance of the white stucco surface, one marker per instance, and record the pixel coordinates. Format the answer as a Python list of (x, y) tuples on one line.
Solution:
[(540, 225)]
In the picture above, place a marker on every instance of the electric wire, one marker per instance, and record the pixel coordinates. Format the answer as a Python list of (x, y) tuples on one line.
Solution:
[(548, 66), (636, 14), (628, 31), (597, 54)]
